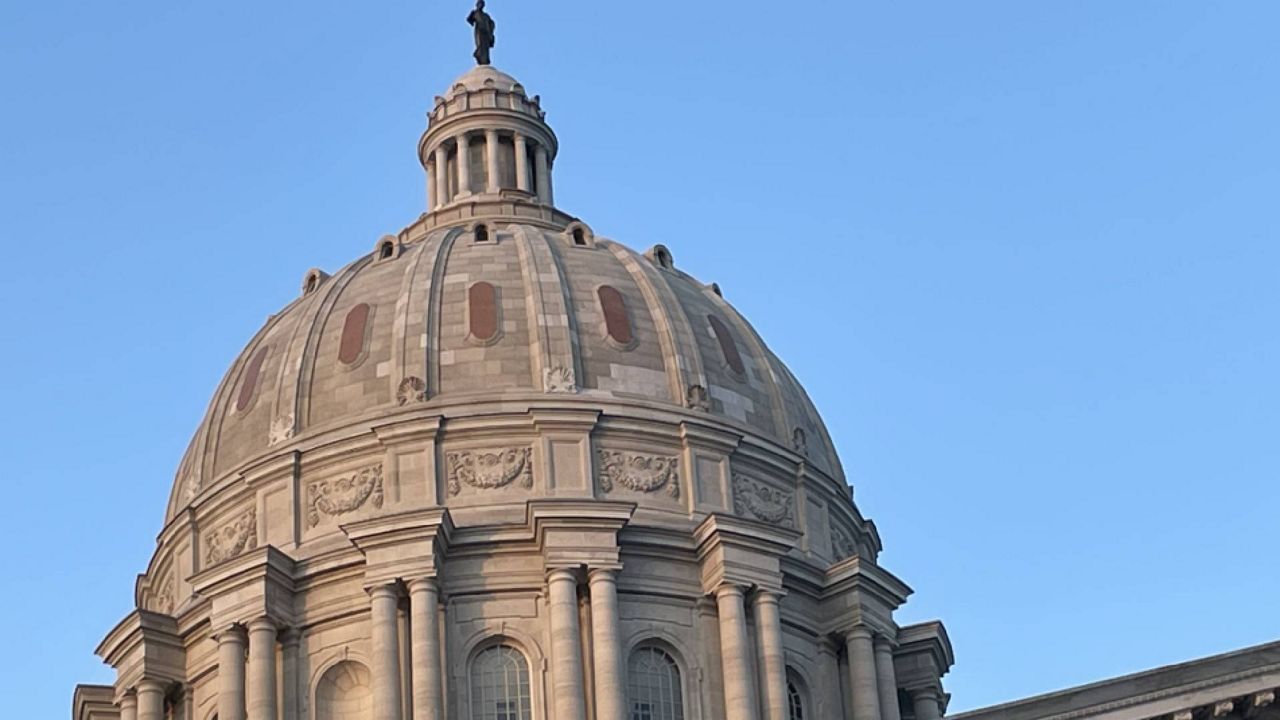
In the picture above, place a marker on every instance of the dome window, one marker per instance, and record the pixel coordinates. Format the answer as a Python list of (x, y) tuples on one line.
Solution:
[(312, 280), (728, 347), (249, 385), (617, 323), (578, 234), (386, 249), (482, 312), (579, 237), (661, 256), (482, 233), (354, 333)]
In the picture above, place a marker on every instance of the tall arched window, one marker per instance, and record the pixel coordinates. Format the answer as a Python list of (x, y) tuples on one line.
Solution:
[(653, 686), (500, 685), (795, 703)]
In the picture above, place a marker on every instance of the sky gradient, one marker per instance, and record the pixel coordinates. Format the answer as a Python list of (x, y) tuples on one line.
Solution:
[(1023, 255)]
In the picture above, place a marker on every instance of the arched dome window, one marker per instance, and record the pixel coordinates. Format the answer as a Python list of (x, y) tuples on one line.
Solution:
[(249, 385), (795, 702), (617, 322), (728, 346), (354, 331), (654, 691), (345, 692), (500, 685)]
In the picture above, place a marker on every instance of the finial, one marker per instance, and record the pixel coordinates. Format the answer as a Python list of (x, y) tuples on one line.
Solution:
[(484, 25)]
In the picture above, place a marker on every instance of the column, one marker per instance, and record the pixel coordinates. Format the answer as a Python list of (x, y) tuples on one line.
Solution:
[(886, 680), (464, 165), (566, 645), (522, 163), (432, 185), (735, 662), (491, 160), (772, 664), (129, 706), (543, 168), (386, 653), (862, 674), (424, 603), (611, 690), (150, 700), (830, 703), (442, 180), (262, 669), (231, 647), (291, 645), (925, 702)]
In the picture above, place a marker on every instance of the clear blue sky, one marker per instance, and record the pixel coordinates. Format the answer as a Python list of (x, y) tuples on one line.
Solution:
[(1024, 255)]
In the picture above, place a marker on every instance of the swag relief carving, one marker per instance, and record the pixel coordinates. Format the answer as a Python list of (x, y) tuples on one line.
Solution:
[(639, 473), (339, 496), (232, 539), (489, 469), (762, 502)]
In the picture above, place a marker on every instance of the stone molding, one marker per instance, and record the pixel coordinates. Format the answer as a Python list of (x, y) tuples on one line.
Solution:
[(741, 552), (405, 546)]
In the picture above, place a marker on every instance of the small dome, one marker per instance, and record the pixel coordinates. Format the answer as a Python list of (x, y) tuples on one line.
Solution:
[(482, 77)]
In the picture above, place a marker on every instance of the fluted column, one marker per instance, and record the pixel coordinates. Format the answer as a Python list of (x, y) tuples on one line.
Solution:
[(773, 667), (464, 165), (735, 658), (129, 706), (424, 601), (291, 646), (442, 180), (542, 165), (925, 702), (384, 601), (262, 670), (566, 645), (491, 161), (522, 163), (231, 649), (886, 680), (862, 674), (150, 700), (611, 691)]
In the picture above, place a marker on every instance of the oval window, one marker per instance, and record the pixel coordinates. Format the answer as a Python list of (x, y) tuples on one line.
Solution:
[(616, 322), (250, 382), (728, 347), (482, 305), (353, 331)]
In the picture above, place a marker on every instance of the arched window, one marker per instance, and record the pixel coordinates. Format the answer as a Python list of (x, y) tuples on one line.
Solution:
[(653, 686), (795, 703), (500, 685)]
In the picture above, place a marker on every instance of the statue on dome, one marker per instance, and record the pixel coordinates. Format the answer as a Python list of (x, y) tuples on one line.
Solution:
[(484, 25)]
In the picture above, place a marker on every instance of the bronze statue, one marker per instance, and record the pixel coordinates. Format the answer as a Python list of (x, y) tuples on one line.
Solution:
[(484, 25)]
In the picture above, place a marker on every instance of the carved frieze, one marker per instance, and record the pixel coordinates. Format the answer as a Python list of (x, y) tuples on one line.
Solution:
[(281, 429), (639, 473), (489, 469), (698, 399), (346, 494), (762, 502), (232, 539), (842, 543), (412, 390)]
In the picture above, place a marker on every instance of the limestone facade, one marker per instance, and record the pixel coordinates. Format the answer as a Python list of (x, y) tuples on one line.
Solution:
[(503, 468)]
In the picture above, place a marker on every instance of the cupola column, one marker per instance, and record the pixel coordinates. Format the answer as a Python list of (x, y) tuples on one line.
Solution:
[(433, 186), (442, 179), (385, 601), (542, 165), (491, 161), (611, 703), (424, 603), (566, 645), (231, 650), (522, 163), (773, 669), (886, 680), (464, 165), (262, 669), (150, 700), (129, 706), (862, 674), (735, 657)]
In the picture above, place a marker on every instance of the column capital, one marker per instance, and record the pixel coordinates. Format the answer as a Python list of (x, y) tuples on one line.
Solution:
[(729, 589), (561, 574), (927, 692), (262, 624), (235, 632), (424, 583), (603, 573), (128, 700), (386, 590), (763, 596), (859, 632), (291, 637), (151, 685), (884, 643)]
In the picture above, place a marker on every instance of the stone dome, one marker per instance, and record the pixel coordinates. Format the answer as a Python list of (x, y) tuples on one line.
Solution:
[(414, 475)]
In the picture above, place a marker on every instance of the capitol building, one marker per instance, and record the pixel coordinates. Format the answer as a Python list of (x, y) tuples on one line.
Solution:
[(503, 467)]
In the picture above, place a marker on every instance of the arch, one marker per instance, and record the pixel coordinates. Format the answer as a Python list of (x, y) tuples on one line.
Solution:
[(355, 332), (578, 234), (660, 255), (312, 279), (499, 683), (655, 684), (344, 692), (799, 706), (498, 633), (387, 248)]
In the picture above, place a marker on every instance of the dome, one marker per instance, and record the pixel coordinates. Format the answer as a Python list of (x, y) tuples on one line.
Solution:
[(483, 77)]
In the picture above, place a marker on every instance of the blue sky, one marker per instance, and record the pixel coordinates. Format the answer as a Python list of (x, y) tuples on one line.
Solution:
[(1024, 256)]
